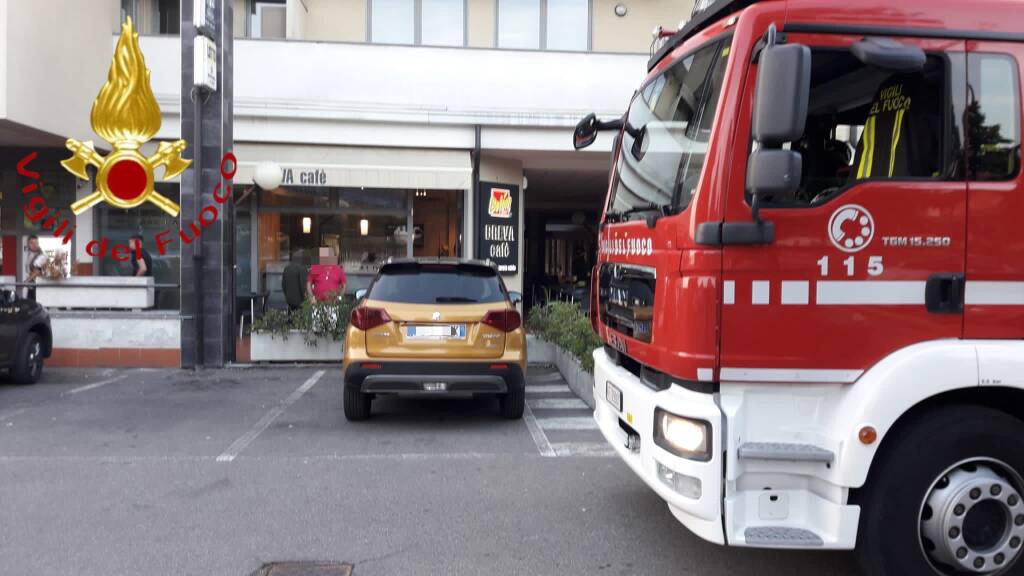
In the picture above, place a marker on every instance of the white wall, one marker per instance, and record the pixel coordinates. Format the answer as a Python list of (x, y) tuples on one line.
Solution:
[(4, 39), (55, 63), (98, 330), (370, 95)]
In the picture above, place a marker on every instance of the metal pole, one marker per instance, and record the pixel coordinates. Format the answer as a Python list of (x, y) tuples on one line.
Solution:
[(197, 249)]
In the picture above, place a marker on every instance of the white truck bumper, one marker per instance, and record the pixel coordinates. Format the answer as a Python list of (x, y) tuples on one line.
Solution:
[(698, 503)]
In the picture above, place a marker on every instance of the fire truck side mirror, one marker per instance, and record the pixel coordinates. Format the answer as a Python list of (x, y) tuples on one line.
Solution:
[(773, 174), (783, 89), (586, 132), (587, 129)]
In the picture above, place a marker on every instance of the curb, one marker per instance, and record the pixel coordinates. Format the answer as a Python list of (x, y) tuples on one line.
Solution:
[(579, 380)]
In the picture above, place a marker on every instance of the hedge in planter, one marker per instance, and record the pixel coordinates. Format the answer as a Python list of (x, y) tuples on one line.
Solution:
[(564, 325), (326, 319)]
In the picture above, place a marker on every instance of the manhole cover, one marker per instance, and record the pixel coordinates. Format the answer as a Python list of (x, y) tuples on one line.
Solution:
[(304, 569)]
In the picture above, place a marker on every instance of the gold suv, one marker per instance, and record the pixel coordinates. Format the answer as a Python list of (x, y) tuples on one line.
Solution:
[(435, 327)]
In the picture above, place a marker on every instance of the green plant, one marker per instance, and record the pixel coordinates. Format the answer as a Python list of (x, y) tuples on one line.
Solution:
[(320, 319), (563, 325)]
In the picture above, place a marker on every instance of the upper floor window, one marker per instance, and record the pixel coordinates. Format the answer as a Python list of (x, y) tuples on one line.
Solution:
[(268, 20), (427, 22), (153, 16), (544, 24)]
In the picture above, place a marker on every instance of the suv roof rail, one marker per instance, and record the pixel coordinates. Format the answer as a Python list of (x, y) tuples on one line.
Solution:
[(704, 13), (440, 260)]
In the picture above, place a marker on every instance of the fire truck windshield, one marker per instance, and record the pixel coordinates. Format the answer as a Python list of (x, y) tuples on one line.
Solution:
[(665, 139)]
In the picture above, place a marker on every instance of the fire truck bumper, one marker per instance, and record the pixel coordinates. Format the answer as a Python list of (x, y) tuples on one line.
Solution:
[(624, 409)]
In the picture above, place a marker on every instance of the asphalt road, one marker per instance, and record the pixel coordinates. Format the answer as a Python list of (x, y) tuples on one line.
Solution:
[(158, 472)]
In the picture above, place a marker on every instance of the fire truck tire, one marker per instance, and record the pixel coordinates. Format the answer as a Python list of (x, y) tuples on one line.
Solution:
[(949, 459), (357, 404), (513, 403), (29, 364)]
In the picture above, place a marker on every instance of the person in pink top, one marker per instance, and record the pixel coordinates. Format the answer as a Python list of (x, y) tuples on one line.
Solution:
[(325, 278)]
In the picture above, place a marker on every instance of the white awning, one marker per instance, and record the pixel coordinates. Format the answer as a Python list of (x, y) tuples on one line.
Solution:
[(340, 166)]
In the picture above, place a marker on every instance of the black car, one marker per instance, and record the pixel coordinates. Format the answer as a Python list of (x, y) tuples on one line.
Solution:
[(25, 337)]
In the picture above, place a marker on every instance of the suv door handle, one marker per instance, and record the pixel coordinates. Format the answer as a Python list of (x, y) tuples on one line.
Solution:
[(944, 293)]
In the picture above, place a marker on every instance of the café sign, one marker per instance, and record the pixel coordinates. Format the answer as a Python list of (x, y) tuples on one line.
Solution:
[(498, 225)]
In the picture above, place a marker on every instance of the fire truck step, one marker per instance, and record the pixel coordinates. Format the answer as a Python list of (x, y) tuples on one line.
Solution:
[(784, 451), (775, 536)]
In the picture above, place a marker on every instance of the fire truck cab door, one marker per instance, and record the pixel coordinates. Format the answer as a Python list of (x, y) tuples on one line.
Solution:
[(868, 258)]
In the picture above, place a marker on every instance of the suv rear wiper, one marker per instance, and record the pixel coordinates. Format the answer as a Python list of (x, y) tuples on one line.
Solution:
[(451, 299)]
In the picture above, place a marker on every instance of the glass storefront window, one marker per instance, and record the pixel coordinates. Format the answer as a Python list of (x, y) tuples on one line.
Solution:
[(364, 227), (118, 226)]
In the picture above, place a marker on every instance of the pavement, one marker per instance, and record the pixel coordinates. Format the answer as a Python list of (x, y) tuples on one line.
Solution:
[(168, 472)]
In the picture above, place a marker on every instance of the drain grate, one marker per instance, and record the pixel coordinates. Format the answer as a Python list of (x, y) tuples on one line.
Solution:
[(304, 569)]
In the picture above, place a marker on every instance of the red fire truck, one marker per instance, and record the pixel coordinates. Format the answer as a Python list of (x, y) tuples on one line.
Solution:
[(810, 283)]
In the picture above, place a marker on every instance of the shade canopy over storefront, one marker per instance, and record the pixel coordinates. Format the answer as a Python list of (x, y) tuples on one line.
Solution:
[(337, 166)]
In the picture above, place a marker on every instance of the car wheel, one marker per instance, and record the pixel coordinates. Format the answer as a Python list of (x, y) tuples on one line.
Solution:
[(513, 403), (946, 497), (29, 365), (357, 404)]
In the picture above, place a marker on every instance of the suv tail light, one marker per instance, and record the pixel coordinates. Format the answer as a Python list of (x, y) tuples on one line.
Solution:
[(595, 303), (366, 318), (504, 320)]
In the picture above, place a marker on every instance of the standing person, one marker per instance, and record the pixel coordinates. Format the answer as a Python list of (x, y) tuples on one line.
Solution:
[(142, 262), (35, 263), (293, 282), (327, 277)]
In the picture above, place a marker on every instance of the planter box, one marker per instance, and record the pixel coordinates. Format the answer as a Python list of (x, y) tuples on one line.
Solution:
[(580, 381), (265, 347), (118, 292)]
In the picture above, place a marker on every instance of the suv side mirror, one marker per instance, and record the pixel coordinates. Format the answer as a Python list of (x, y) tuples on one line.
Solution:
[(515, 297), (360, 293), (782, 94)]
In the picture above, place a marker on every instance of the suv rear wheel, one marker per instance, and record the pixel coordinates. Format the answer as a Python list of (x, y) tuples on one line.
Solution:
[(357, 404), (29, 364), (946, 497), (513, 403)]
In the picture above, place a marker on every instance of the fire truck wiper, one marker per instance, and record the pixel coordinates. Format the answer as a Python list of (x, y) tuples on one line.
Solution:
[(653, 211)]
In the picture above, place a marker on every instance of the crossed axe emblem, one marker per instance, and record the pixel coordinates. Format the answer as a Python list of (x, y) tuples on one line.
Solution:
[(126, 114), (125, 178)]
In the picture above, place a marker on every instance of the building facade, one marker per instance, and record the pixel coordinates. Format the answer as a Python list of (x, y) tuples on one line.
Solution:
[(401, 128)]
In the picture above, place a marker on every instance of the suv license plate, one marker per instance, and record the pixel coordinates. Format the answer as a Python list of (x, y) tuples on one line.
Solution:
[(435, 386), (614, 395)]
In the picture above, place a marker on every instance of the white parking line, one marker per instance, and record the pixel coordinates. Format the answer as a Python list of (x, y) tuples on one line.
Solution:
[(599, 449), (95, 385), (236, 448), (558, 404), (539, 438), (568, 423), (546, 389)]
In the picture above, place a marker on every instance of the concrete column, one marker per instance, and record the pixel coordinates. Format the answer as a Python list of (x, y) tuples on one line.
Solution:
[(207, 275)]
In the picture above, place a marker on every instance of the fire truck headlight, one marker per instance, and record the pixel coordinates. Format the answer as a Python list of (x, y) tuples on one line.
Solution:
[(685, 437)]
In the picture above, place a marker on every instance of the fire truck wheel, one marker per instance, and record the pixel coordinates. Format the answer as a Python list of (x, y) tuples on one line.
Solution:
[(29, 365), (946, 497), (357, 404)]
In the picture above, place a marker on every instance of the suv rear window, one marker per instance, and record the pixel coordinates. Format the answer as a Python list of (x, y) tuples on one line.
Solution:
[(437, 284)]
